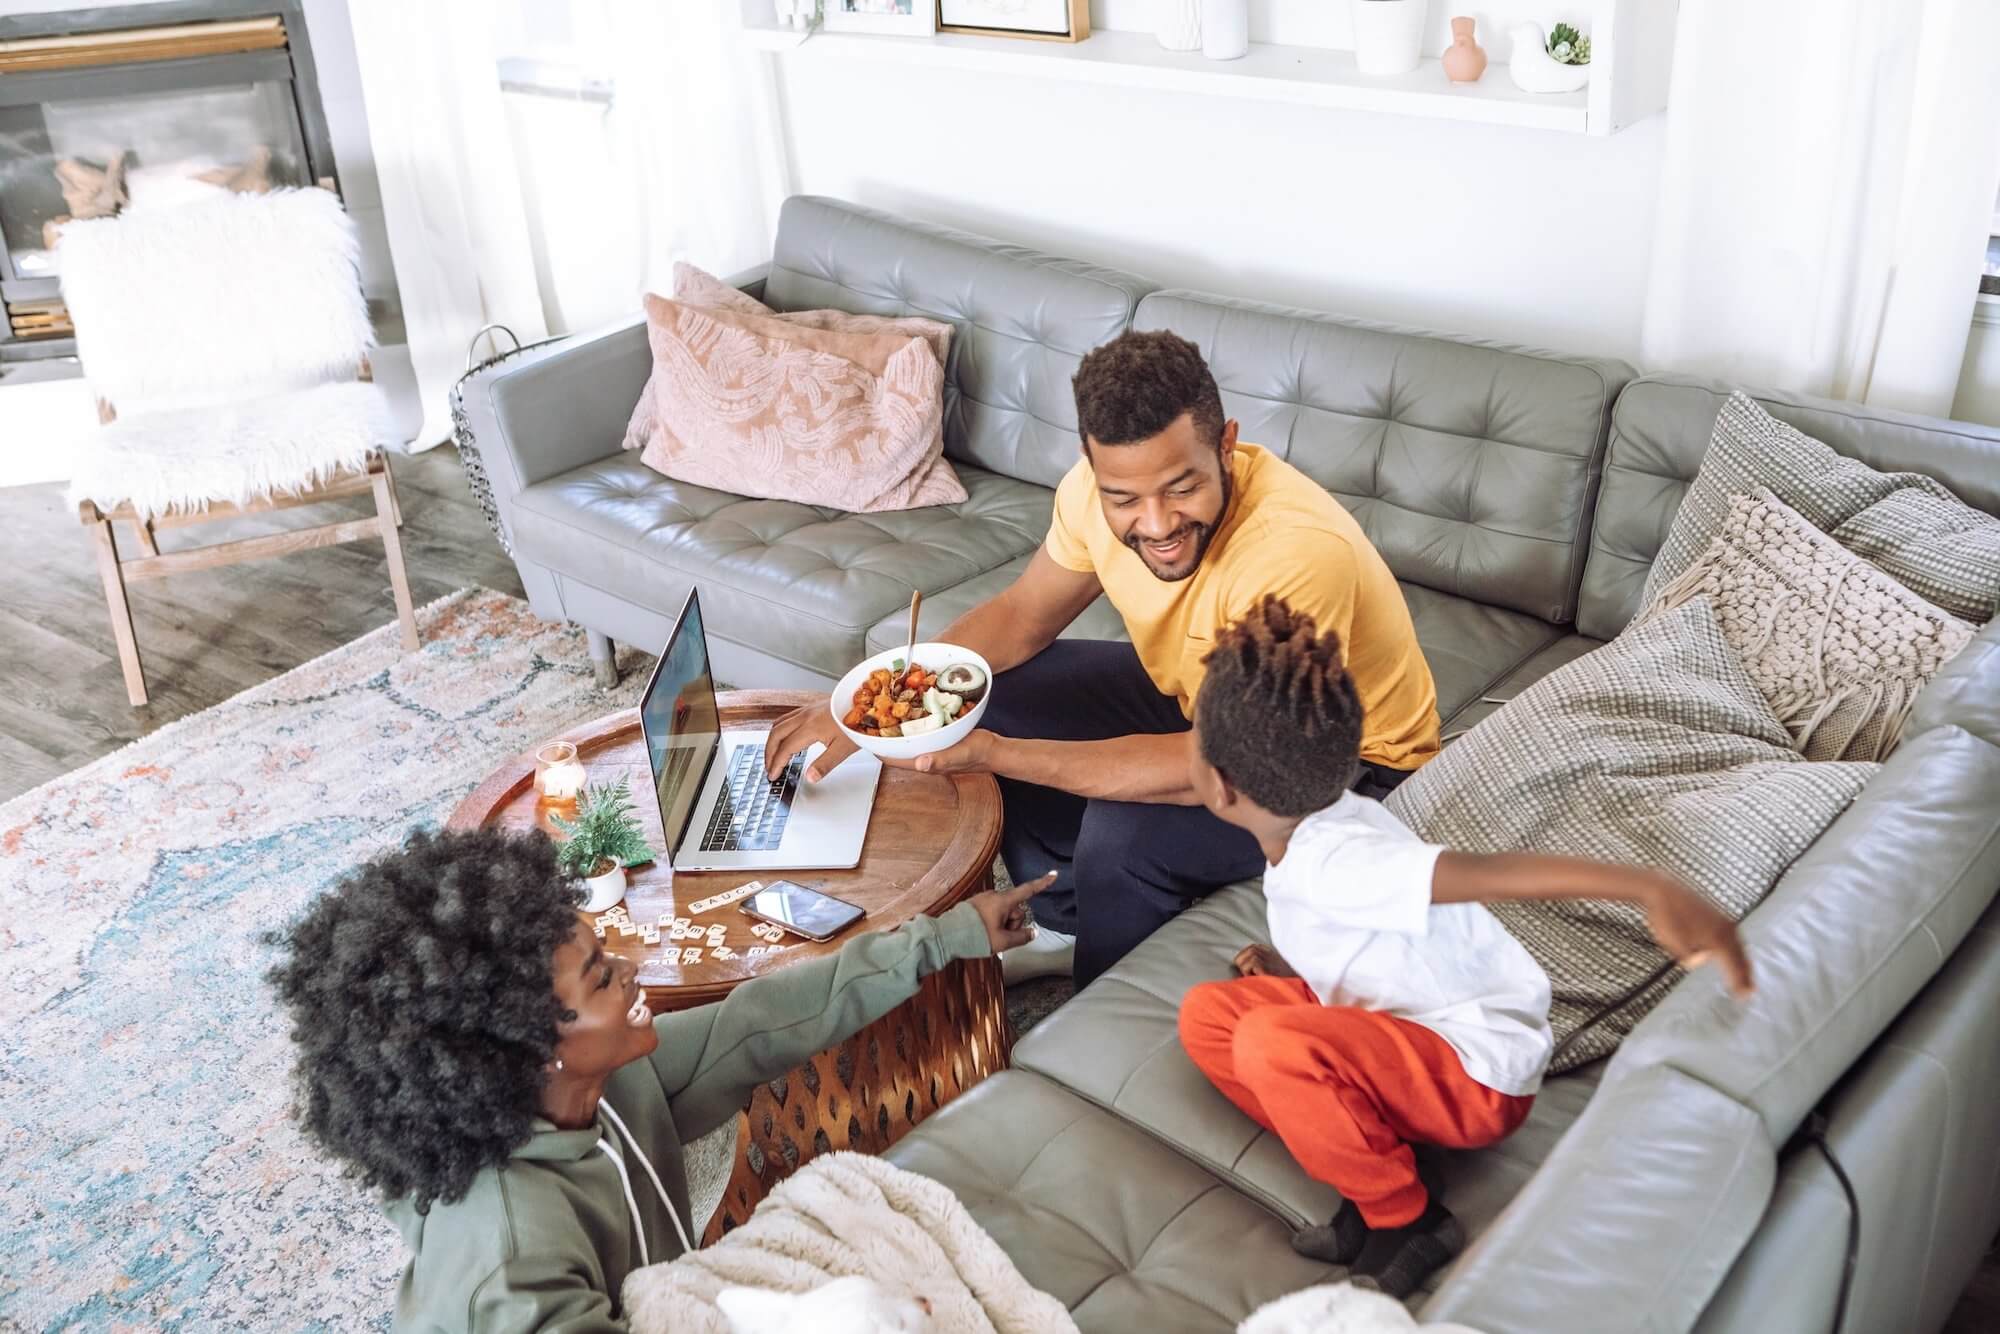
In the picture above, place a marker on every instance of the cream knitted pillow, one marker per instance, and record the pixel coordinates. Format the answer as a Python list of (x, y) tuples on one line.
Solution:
[(1838, 647)]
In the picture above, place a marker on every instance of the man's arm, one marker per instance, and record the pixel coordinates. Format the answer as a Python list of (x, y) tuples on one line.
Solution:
[(1685, 924), (1145, 767), (1007, 629), (1025, 617)]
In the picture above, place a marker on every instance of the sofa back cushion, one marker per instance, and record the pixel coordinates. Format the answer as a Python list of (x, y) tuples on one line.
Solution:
[(1472, 467), (1660, 433), (1022, 320)]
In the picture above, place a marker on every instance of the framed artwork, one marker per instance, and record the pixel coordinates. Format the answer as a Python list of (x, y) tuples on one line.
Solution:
[(897, 18), (1049, 20)]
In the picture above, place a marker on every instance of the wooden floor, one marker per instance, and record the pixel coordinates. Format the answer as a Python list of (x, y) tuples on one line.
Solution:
[(207, 635)]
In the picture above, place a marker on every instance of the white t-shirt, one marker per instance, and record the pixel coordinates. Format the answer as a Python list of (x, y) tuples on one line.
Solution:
[(1350, 910)]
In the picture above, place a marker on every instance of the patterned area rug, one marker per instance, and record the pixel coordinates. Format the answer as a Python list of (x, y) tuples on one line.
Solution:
[(153, 1176)]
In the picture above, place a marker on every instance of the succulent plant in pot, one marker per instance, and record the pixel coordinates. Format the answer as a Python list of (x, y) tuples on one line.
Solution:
[(1567, 46), (601, 842)]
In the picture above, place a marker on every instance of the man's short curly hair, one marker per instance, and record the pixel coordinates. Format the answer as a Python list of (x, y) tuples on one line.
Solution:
[(1135, 386), (421, 992), (1278, 713)]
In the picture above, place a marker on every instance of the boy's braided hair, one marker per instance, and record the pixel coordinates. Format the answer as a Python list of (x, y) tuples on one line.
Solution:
[(1278, 713)]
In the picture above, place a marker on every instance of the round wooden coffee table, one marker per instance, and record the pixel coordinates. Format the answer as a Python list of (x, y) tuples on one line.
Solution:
[(931, 842)]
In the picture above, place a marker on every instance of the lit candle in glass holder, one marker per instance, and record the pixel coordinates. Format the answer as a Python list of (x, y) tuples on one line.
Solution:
[(558, 772)]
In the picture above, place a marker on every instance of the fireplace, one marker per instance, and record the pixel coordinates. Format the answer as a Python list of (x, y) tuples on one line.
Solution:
[(165, 101)]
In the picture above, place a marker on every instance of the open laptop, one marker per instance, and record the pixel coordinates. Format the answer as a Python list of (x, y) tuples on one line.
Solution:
[(717, 809)]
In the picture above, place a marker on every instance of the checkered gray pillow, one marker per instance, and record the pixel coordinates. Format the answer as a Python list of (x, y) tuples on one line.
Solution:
[(1932, 542), (1656, 749), (1935, 545)]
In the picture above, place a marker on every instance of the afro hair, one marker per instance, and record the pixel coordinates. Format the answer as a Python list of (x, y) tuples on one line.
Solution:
[(1278, 713), (421, 993)]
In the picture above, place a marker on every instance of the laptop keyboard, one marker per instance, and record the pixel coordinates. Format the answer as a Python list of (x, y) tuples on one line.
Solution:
[(751, 810)]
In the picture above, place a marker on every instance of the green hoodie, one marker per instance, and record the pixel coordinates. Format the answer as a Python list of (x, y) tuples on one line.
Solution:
[(544, 1241)]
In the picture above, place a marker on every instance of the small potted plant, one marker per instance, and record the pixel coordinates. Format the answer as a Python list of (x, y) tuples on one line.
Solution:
[(601, 842), (1567, 46)]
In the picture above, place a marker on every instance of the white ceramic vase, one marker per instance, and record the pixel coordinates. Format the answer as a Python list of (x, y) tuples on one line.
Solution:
[(1225, 29), (1177, 24), (602, 891), (1388, 34)]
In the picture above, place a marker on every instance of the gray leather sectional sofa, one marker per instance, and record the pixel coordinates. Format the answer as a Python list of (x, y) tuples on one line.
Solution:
[(1520, 497)]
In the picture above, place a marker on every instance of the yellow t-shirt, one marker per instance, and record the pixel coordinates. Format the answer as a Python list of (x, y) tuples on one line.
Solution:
[(1283, 535)]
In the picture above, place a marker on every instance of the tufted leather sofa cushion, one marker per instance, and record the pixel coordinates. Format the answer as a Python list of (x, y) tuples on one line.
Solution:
[(1659, 435), (1022, 320), (1158, 1245), (798, 582), (1472, 466)]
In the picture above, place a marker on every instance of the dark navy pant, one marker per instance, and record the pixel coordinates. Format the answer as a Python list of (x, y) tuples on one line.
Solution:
[(1123, 867)]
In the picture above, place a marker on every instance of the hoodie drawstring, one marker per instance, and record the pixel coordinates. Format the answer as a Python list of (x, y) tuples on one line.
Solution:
[(625, 1180)]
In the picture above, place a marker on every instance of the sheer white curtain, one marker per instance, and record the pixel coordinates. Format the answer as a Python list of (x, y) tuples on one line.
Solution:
[(696, 169), (694, 116), (451, 196), (1829, 182)]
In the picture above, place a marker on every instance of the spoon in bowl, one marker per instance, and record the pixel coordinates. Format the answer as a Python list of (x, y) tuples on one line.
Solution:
[(910, 654)]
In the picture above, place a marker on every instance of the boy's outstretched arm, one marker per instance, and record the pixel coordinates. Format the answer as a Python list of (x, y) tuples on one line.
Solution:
[(1685, 924)]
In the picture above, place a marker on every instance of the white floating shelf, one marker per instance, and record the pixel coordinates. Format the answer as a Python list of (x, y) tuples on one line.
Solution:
[(1301, 75)]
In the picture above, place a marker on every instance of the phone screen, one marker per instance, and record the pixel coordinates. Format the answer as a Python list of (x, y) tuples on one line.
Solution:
[(807, 911)]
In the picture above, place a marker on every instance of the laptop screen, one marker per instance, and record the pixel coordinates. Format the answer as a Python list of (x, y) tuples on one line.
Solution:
[(681, 723)]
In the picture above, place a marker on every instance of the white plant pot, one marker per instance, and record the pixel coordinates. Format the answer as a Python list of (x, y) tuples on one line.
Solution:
[(602, 891), (1388, 34), (1225, 29), (1177, 24)]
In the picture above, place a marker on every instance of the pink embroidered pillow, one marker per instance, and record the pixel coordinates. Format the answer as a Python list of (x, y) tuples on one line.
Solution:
[(704, 289), (758, 406)]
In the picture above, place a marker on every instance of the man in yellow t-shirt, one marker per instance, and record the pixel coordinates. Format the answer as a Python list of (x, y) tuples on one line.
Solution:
[(1185, 531)]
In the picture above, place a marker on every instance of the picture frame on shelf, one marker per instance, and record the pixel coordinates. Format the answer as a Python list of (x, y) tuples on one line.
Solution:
[(892, 18), (1041, 20)]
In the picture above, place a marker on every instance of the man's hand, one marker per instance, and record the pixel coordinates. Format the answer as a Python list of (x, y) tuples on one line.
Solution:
[(1261, 961), (974, 755), (799, 729), (1695, 932), (1005, 913)]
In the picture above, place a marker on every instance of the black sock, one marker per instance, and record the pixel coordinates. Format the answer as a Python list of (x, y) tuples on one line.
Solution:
[(1337, 1241), (1395, 1261)]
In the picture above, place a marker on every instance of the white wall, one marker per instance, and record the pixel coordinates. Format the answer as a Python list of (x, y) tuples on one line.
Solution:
[(1523, 235)]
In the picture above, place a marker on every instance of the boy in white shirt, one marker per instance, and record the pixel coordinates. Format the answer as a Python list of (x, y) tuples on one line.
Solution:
[(1391, 1009)]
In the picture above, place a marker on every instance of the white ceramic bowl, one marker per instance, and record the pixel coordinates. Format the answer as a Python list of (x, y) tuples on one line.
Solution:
[(935, 657)]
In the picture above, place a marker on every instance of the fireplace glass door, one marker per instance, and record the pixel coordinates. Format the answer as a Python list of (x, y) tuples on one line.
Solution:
[(93, 156)]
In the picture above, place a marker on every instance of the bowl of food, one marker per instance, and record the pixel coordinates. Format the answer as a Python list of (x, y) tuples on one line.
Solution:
[(910, 702)]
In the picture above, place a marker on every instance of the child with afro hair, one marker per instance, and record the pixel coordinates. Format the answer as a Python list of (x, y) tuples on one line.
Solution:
[(1391, 1009)]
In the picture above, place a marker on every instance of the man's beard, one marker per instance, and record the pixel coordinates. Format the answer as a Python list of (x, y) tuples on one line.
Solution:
[(1202, 533)]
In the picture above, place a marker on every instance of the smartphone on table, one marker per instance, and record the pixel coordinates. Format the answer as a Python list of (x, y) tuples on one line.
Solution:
[(804, 912)]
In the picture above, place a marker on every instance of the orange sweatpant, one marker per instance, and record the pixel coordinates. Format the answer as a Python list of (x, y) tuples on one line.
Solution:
[(1348, 1090)]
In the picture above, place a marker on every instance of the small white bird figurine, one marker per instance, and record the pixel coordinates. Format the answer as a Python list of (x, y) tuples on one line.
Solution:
[(1535, 70)]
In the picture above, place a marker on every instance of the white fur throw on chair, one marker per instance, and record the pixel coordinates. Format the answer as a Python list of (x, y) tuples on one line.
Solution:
[(241, 297), (227, 337)]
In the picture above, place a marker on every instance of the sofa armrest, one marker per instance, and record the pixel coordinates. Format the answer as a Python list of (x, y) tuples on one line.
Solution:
[(1966, 693), (751, 281), (1852, 932), (549, 414), (1630, 1225)]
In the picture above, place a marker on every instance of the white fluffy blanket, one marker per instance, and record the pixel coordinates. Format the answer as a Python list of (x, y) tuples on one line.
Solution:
[(1337, 1308), (841, 1215)]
